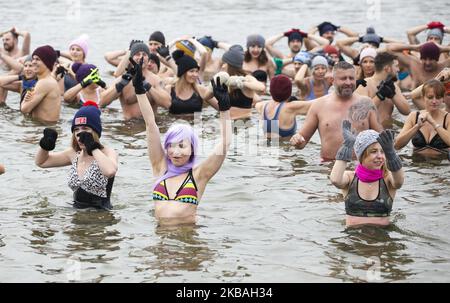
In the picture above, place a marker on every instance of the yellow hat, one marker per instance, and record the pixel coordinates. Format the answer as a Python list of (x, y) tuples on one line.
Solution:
[(187, 47)]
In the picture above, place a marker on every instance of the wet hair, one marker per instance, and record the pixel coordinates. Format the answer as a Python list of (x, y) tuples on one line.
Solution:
[(262, 58), (342, 65), (437, 87), (75, 145), (383, 59)]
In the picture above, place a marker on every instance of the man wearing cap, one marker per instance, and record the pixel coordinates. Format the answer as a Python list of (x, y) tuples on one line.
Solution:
[(328, 31), (425, 68), (327, 113), (296, 38), (44, 102), (383, 90), (124, 90)]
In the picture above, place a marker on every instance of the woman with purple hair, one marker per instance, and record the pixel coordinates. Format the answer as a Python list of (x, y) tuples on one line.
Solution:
[(181, 181)]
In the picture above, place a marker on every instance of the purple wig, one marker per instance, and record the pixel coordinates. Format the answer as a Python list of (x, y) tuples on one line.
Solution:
[(177, 133)]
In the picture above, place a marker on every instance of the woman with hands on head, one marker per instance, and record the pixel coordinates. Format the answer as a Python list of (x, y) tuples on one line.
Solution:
[(428, 129), (93, 165), (369, 190), (181, 181)]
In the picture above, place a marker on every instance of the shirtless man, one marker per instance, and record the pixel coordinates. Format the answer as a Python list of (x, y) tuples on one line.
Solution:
[(328, 31), (384, 92), (425, 68), (327, 113), (44, 102), (124, 90), (11, 50)]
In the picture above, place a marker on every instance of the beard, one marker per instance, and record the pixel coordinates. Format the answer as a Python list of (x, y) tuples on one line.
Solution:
[(8, 47), (345, 91)]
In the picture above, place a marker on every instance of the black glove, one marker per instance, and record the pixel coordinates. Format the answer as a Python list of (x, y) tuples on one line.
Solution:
[(48, 141), (386, 89), (360, 39), (138, 78), (101, 83), (215, 43), (164, 52), (147, 86), (361, 82), (88, 140), (134, 42), (386, 140), (126, 78), (221, 94), (61, 70)]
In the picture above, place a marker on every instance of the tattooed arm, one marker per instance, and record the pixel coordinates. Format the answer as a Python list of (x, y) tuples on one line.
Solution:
[(364, 115)]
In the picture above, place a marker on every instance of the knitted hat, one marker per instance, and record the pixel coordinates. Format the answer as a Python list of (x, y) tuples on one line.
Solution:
[(326, 27), (280, 88), (139, 47), (435, 32), (430, 51), (330, 49), (158, 37), (319, 60), (82, 43), (302, 57), (183, 62), (364, 140), (207, 41), (295, 36), (256, 40), (234, 56), (47, 55), (88, 115), (371, 37), (82, 70), (187, 47), (367, 52)]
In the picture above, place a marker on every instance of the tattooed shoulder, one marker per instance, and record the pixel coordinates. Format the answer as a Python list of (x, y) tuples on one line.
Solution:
[(360, 109)]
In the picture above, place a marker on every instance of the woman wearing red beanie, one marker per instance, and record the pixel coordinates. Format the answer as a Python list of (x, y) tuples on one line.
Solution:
[(279, 114), (93, 165)]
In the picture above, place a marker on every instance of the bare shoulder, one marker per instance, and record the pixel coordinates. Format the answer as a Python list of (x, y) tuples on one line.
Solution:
[(260, 105)]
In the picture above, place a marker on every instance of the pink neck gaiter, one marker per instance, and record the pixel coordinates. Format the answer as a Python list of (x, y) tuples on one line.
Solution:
[(368, 175)]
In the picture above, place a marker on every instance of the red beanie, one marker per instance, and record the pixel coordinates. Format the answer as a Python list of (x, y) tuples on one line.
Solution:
[(47, 54), (330, 49), (430, 51), (280, 88)]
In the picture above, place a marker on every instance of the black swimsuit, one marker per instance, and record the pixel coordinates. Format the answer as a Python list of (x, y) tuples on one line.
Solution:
[(238, 99), (436, 143), (189, 106)]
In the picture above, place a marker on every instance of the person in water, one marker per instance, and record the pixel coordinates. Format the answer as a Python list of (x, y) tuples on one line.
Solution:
[(89, 87), (92, 165), (181, 181), (370, 189), (428, 129), (23, 82)]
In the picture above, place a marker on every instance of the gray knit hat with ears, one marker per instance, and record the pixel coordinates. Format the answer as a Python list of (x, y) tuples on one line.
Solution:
[(364, 140)]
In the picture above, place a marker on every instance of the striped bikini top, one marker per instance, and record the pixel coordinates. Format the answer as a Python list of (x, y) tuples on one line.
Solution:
[(187, 193)]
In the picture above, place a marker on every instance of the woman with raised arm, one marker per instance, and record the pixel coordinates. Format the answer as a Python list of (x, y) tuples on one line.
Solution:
[(369, 190), (181, 181), (92, 165)]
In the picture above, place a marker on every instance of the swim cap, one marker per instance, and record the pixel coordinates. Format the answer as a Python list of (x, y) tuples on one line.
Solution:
[(47, 55), (187, 47), (256, 40), (88, 115), (139, 47), (234, 56), (319, 60), (437, 32), (367, 52), (430, 51), (158, 37), (184, 63), (364, 140), (371, 37), (280, 88), (82, 43)]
